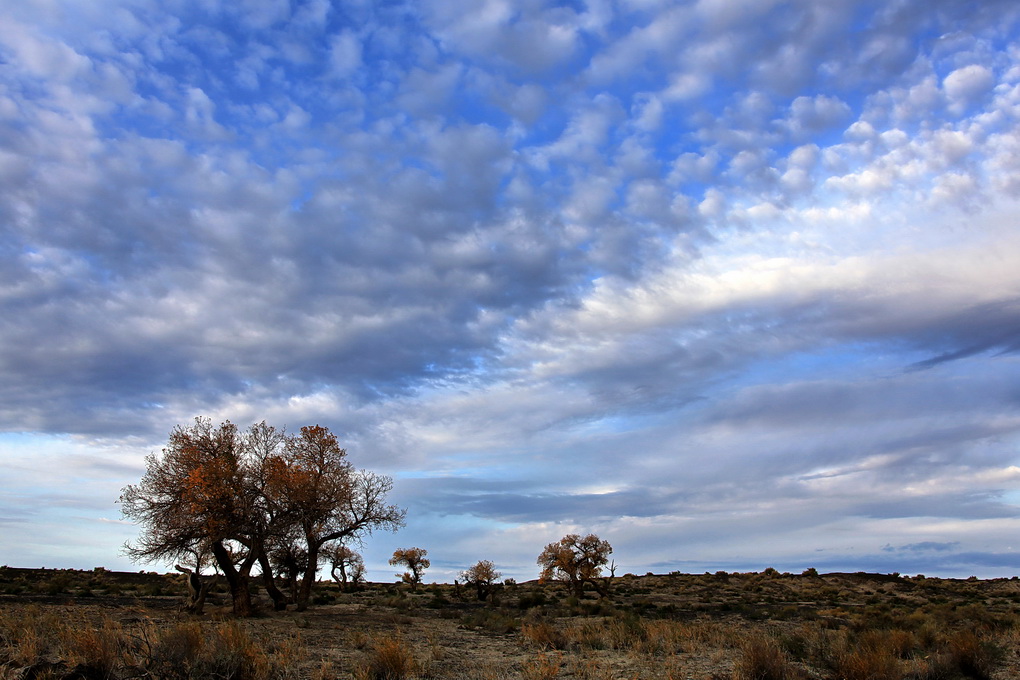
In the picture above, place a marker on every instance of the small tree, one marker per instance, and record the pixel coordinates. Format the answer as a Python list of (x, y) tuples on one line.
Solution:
[(483, 576), (346, 566), (576, 561), (415, 561)]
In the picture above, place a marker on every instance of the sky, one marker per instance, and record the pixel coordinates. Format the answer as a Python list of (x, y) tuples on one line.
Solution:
[(731, 283)]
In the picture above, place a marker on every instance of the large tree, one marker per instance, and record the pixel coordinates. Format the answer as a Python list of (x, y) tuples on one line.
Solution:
[(198, 495), (242, 495), (576, 561)]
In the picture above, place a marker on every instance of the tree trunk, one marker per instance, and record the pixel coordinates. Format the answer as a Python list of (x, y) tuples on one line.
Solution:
[(237, 579), (279, 599), (198, 588), (341, 580), (305, 593)]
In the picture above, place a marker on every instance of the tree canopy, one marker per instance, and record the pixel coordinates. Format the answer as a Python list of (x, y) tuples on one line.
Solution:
[(416, 562), (483, 577), (576, 561)]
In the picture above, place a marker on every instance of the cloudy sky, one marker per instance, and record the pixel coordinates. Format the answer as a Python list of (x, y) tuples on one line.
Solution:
[(731, 283)]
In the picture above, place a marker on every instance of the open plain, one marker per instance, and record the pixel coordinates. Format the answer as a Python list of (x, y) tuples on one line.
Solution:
[(762, 626)]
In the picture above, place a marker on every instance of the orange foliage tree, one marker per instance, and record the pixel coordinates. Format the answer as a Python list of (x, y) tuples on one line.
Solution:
[(576, 561), (483, 577), (197, 498), (328, 498), (416, 562)]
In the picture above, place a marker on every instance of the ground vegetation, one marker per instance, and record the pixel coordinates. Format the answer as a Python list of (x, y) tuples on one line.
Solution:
[(722, 626)]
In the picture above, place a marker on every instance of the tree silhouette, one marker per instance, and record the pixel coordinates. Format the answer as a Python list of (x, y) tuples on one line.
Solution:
[(346, 566)]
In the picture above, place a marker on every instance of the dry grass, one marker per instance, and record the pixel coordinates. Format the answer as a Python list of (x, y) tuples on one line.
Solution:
[(542, 667), (33, 638), (678, 627), (761, 658), (390, 659)]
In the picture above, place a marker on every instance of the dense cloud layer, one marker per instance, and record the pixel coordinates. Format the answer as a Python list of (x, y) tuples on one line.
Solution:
[(734, 284)]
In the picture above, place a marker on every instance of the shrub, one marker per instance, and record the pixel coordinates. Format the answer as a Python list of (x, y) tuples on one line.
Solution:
[(94, 651), (175, 650), (389, 659), (544, 635), (590, 669), (529, 600), (29, 637), (761, 658), (869, 663), (60, 583), (542, 667), (492, 620), (970, 656)]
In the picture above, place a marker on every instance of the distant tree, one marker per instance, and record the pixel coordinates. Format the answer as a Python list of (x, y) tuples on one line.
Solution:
[(576, 561), (346, 566), (483, 577), (416, 562)]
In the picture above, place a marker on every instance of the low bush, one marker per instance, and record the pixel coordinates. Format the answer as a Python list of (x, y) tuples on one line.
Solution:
[(545, 635), (529, 600), (761, 658), (542, 667), (972, 657), (389, 659), (492, 620)]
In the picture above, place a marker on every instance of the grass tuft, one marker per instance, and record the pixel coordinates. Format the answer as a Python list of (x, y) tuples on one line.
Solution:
[(390, 658), (761, 658)]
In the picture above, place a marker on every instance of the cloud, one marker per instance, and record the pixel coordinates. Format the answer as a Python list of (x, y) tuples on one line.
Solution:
[(924, 546), (966, 84), (345, 54), (810, 116), (737, 276), (528, 37)]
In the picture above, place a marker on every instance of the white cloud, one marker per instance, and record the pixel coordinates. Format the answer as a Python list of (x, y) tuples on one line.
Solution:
[(345, 54), (966, 85), (810, 115)]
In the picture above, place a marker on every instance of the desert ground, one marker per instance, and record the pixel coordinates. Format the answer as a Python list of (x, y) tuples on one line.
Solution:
[(723, 626)]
